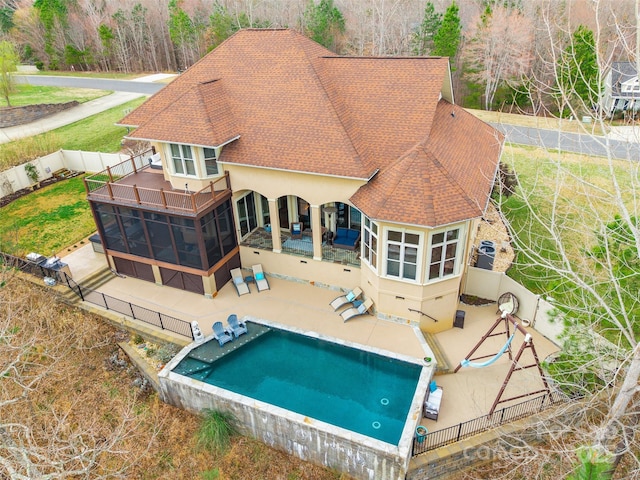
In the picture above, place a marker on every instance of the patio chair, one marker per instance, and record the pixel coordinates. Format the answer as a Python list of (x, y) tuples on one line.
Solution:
[(362, 309), (259, 277), (238, 282), (238, 328), (296, 229), (342, 300), (220, 334)]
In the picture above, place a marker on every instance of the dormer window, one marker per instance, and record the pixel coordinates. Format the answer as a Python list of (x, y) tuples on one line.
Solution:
[(182, 157), (210, 161)]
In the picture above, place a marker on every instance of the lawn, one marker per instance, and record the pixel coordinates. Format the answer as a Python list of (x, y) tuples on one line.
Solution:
[(46, 220), (577, 189), (35, 94), (94, 134)]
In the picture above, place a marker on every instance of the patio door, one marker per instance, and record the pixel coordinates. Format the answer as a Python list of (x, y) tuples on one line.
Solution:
[(283, 211)]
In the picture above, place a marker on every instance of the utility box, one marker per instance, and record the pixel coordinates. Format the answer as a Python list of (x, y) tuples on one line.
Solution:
[(459, 320), (486, 254)]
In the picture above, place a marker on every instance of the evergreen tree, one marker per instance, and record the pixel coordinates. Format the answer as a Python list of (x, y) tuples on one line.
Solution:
[(324, 24), (447, 38), (53, 15), (578, 70), (422, 38)]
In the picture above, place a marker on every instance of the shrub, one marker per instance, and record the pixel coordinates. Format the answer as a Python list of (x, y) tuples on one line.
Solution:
[(166, 352), (137, 339), (216, 430)]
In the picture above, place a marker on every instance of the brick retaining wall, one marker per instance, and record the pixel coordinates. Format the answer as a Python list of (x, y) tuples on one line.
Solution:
[(13, 116)]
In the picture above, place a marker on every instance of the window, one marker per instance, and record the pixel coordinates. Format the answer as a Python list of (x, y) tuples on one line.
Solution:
[(444, 251), (210, 161), (247, 214), (370, 243), (183, 159), (348, 216), (402, 254)]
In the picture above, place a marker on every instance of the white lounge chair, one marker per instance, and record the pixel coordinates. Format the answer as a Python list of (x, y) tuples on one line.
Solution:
[(342, 300), (259, 277), (238, 282), (349, 313)]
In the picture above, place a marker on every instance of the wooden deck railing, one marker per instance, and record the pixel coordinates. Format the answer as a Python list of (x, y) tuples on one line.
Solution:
[(106, 186)]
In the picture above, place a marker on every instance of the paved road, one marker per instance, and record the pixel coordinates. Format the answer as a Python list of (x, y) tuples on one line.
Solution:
[(550, 139), (143, 85), (570, 142), (125, 91)]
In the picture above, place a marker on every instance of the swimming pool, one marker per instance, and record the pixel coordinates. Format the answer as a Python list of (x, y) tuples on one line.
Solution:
[(354, 389), (345, 435)]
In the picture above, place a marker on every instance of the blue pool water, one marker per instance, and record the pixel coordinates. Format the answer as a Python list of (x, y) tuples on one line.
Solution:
[(357, 390)]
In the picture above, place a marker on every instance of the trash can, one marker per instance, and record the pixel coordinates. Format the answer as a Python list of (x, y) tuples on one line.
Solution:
[(421, 433), (459, 321), (486, 254)]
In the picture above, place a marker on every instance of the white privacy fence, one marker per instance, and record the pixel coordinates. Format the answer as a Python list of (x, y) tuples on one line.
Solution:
[(490, 285), (16, 178)]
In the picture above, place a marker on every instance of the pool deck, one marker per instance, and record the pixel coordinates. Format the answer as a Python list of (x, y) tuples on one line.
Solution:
[(467, 394)]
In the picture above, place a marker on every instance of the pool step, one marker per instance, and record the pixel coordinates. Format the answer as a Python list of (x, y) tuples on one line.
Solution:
[(443, 366)]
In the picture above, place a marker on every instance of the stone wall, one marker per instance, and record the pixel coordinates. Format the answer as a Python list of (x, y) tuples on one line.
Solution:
[(13, 116)]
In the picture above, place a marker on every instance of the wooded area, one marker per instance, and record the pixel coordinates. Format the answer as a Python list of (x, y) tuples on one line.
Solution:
[(495, 46)]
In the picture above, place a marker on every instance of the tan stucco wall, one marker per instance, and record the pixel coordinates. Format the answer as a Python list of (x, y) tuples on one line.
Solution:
[(315, 189), (302, 268)]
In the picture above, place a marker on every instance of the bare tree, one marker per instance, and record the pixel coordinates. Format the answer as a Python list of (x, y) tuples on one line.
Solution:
[(498, 51), (576, 226), (45, 436)]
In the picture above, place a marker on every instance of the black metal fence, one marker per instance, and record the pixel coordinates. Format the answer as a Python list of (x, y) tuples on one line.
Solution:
[(29, 267), (454, 434), (151, 317)]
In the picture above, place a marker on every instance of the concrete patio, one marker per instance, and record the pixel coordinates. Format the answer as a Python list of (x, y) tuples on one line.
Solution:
[(468, 394)]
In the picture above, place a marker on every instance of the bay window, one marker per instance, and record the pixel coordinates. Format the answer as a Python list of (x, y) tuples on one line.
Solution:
[(443, 258), (370, 243), (402, 254)]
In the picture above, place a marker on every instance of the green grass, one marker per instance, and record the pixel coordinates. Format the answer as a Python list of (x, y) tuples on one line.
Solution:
[(581, 183), (35, 94), (47, 220), (94, 134), (216, 430)]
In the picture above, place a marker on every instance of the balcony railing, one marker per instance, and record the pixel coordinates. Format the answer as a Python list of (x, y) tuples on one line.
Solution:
[(120, 184)]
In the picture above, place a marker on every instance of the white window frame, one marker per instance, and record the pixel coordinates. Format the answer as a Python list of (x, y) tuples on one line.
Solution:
[(215, 161), (367, 252), (402, 247), (183, 159), (442, 261)]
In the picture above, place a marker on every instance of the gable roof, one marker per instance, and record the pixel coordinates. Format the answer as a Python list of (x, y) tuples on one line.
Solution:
[(622, 72), (293, 105)]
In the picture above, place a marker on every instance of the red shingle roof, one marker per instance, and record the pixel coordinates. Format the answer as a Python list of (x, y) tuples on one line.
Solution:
[(446, 178), (296, 106)]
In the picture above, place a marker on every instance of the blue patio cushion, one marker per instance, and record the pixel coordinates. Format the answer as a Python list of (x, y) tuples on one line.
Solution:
[(238, 280), (259, 276), (350, 296)]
